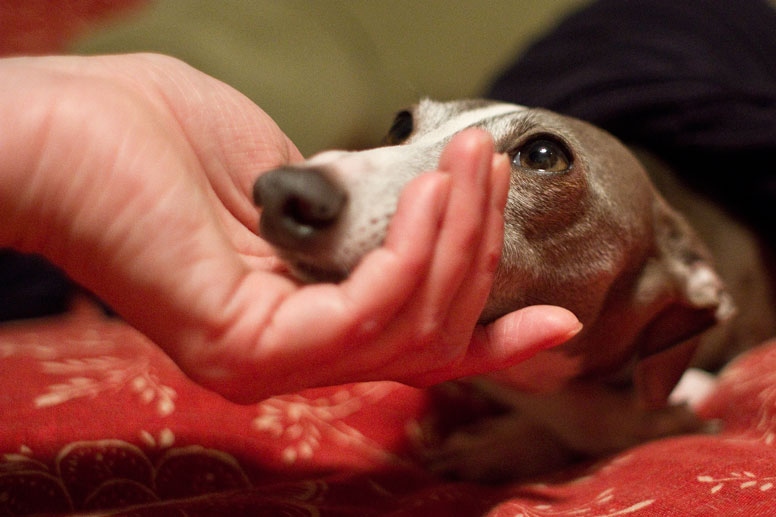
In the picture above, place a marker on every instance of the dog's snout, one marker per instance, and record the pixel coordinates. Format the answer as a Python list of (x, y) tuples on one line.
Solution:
[(298, 205)]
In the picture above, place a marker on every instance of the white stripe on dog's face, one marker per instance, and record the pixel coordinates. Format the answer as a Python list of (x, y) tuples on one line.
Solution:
[(374, 178), (369, 159), (464, 120)]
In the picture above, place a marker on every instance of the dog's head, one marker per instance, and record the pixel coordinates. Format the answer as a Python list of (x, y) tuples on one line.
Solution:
[(584, 229)]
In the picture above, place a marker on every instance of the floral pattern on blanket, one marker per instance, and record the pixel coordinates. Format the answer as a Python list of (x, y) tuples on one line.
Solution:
[(94, 417)]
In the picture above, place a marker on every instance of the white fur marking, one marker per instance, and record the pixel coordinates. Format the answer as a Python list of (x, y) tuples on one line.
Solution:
[(693, 388), (464, 120), (326, 157)]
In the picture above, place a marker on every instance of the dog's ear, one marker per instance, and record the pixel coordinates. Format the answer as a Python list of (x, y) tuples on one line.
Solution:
[(689, 298)]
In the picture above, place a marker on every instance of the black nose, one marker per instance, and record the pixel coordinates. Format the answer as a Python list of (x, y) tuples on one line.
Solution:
[(298, 205)]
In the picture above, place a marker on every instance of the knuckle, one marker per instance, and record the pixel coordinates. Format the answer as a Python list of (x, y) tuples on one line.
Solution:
[(470, 238), (491, 260), (365, 330), (447, 353), (427, 334)]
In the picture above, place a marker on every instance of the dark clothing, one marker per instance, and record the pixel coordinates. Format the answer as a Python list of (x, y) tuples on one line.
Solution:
[(694, 82), (31, 287)]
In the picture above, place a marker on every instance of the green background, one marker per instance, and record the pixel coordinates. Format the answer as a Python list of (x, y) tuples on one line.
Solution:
[(332, 73)]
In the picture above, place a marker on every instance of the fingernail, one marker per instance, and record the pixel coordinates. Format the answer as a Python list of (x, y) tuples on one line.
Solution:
[(573, 332), (561, 318)]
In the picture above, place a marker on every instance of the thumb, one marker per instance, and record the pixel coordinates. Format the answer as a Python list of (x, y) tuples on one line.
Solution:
[(519, 335), (511, 339)]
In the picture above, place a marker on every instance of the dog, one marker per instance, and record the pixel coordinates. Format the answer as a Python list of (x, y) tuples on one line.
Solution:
[(585, 229)]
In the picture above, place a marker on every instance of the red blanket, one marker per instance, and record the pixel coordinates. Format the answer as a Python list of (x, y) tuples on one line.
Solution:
[(45, 26), (95, 417)]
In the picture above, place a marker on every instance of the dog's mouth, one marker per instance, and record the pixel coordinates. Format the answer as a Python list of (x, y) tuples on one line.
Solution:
[(328, 264), (311, 273)]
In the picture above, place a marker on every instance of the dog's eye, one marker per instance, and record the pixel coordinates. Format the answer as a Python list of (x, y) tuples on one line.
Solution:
[(543, 154), (400, 129)]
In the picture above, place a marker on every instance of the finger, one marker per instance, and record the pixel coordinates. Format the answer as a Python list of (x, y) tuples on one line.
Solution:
[(420, 322), (478, 281), (513, 338), (467, 159), (423, 323), (516, 337)]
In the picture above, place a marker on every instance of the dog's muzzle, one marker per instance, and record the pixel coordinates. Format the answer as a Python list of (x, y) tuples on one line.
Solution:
[(298, 206)]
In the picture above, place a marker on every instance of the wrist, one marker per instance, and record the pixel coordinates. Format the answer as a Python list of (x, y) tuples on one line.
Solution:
[(15, 155)]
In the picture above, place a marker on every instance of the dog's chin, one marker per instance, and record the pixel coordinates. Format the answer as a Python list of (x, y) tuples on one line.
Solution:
[(313, 274)]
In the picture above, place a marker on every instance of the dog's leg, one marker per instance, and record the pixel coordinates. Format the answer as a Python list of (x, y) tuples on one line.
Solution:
[(498, 449), (543, 432)]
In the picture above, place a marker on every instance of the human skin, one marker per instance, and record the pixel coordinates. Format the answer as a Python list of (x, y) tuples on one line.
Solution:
[(134, 174)]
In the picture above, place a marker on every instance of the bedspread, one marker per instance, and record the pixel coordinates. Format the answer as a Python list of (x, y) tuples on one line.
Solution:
[(96, 419)]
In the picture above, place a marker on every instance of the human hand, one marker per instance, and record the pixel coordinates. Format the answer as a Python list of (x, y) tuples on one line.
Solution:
[(134, 174)]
